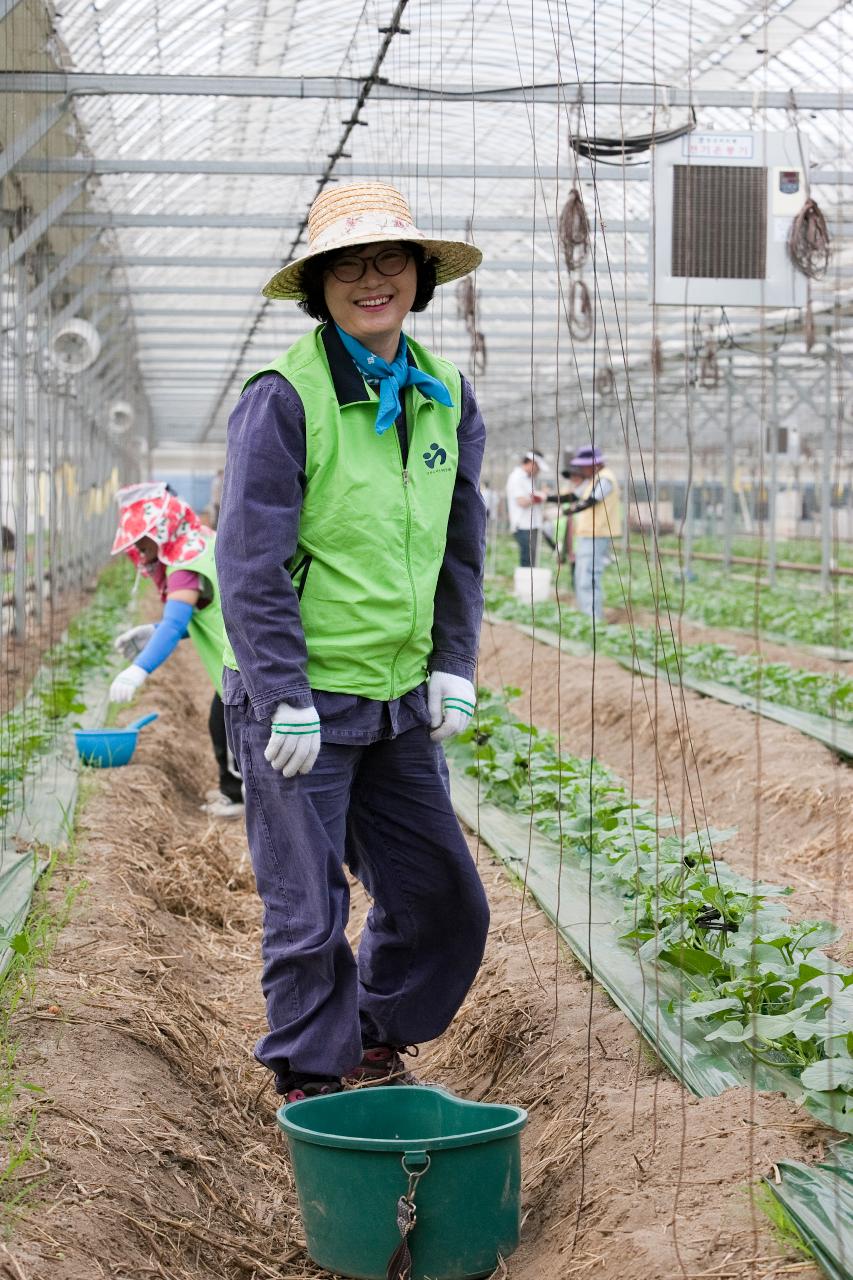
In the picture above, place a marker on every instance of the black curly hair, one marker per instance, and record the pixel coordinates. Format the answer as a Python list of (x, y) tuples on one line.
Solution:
[(313, 272)]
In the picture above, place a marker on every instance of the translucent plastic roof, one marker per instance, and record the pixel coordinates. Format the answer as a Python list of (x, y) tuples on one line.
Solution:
[(193, 286)]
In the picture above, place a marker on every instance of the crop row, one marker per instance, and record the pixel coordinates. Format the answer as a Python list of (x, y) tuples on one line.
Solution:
[(29, 731), (794, 613), (753, 976)]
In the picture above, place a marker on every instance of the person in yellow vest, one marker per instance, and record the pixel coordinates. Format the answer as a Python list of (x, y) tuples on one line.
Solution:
[(596, 513)]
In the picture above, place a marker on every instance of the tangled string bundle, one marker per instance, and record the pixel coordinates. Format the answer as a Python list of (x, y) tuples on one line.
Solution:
[(809, 332), (573, 231), (580, 311), (657, 357), (466, 301), (709, 369), (466, 309), (605, 382), (809, 241), (478, 352)]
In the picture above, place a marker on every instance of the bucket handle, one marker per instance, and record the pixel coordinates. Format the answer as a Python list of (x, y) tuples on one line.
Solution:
[(415, 1165), (143, 720)]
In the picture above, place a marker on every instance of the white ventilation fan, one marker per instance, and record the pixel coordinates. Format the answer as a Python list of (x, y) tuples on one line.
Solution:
[(120, 417), (75, 346), (723, 206)]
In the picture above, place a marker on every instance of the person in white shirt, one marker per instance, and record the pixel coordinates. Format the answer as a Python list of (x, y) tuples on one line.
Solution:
[(525, 506)]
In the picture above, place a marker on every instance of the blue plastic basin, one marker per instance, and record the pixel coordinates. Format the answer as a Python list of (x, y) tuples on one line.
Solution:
[(109, 748)]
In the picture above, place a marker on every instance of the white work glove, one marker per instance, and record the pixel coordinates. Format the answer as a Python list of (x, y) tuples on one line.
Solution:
[(295, 740), (132, 642), (451, 701), (126, 683)]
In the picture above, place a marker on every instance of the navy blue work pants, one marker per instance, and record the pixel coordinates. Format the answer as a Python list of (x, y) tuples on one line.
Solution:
[(385, 810)]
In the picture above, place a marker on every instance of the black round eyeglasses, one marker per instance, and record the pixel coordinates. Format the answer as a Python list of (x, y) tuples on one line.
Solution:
[(388, 262)]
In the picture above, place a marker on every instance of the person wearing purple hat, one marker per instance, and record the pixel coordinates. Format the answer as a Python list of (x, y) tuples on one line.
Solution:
[(596, 513)]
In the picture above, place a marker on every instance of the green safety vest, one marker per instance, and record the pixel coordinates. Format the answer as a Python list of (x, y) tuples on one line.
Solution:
[(206, 629), (371, 533)]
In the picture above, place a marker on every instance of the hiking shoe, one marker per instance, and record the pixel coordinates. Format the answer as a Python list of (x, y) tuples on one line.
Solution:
[(298, 1087), (382, 1064), (222, 807)]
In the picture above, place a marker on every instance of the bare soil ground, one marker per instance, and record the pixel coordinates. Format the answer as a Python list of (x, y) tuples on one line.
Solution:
[(158, 1149)]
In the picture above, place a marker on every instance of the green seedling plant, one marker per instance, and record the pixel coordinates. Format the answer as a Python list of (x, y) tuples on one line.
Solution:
[(796, 550), (751, 976), (30, 730), (789, 613)]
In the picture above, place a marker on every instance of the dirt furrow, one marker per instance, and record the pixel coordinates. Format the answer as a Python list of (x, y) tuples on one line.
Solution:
[(157, 1144)]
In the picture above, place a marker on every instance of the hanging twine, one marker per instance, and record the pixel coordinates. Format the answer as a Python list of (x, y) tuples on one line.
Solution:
[(573, 231), (657, 357), (478, 352), (466, 309), (605, 382), (580, 311), (809, 332), (466, 301), (574, 237), (809, 241), (709, 369)]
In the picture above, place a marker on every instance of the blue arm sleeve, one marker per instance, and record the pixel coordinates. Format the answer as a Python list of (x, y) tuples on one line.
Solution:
[(171, 628)]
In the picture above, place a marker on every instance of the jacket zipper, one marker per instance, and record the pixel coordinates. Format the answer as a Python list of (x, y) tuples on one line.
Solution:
[(405, 477)]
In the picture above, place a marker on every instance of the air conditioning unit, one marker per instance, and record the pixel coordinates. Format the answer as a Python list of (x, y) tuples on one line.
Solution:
[(722, 208)]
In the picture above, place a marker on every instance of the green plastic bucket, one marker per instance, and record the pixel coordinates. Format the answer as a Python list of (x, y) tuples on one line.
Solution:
[(351, 1152)]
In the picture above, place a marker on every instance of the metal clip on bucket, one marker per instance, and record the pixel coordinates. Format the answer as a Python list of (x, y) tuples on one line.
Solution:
[(400, 1262)]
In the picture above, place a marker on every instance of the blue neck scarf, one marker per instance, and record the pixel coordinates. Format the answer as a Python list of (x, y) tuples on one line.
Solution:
[(392, 378)]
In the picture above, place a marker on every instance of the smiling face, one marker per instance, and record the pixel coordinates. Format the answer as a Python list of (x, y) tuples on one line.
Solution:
[(372, 309)]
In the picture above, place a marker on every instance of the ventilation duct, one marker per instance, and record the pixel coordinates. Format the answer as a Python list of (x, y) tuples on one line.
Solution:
[(723, 207)]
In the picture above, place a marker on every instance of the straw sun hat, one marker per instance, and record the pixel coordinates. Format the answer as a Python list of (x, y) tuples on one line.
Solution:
[(368, 213)]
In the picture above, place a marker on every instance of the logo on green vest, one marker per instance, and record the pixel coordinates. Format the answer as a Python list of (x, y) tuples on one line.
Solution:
[(437, 456)]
